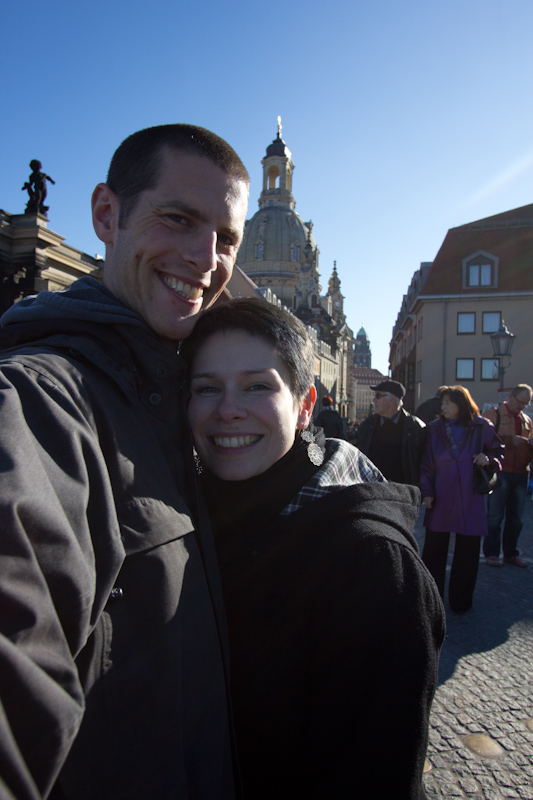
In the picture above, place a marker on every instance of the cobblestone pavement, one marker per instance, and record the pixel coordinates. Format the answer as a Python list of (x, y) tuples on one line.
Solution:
[(486, 687)]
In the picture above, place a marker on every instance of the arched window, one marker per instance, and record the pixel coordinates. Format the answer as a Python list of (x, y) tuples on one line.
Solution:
[(259, 250), (273, 177), (295, 252)]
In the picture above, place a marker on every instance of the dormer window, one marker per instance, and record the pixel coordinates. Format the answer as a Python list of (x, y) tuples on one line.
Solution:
[(259, 251), (479, 274), (295, 252), (480, 271)]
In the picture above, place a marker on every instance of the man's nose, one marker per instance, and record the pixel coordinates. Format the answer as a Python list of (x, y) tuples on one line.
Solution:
[(202, 251)]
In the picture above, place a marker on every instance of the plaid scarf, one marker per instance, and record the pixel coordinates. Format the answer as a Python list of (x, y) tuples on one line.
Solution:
[(344, 466)]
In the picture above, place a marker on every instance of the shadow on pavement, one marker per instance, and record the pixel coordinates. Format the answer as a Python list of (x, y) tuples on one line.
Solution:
[(503, 598)]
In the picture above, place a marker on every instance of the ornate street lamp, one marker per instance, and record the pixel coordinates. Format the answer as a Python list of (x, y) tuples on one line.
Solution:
[(502, 344)]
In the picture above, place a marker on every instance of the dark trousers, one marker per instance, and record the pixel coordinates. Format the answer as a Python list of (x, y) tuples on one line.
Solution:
[(507, 500), (464, 566)]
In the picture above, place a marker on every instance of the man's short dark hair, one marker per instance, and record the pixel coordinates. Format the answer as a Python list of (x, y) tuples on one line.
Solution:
[(136, 162), (284, 331)]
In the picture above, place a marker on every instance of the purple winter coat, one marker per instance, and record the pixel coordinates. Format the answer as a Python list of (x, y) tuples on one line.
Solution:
[(457, 507)]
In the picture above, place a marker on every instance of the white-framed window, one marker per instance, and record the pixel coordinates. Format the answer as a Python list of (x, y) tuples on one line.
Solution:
[(491, 321), (490, 369), (464, 369), (480, 271), (480, 274), (466, 322)]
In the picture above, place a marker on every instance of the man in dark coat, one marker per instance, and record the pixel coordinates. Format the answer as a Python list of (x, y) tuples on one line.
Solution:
[(112, 634), (330, 420), (393, 439), (430, 409)]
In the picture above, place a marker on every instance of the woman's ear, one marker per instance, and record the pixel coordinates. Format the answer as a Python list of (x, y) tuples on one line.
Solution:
[(306, 409), (105, 208)]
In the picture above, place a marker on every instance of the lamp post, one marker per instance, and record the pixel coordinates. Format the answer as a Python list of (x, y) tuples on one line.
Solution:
[(502, 344)]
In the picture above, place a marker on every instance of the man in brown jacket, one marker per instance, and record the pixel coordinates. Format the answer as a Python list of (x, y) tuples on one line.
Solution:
[(515, 429)]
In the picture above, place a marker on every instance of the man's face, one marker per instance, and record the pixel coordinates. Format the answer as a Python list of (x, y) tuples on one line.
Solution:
[(385, 404), (180, 243), (519, 402)]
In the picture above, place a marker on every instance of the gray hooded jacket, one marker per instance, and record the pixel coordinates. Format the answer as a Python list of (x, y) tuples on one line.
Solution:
[(112, 674)]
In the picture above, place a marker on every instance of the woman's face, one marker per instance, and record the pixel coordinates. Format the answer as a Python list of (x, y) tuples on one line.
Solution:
[(449, 410), (242, 413)]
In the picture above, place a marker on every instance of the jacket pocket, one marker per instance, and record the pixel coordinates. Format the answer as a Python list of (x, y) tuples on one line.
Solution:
[(146, 522)]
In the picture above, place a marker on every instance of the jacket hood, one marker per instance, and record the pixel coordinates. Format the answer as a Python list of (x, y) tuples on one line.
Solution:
[(349, 486), (395, 506), (85, 301)]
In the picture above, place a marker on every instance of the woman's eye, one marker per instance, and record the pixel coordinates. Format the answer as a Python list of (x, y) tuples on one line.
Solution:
[(258, 387), (204, 390)]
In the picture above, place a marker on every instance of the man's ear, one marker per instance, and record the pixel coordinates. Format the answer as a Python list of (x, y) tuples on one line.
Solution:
[(306, 408), (106, 209)]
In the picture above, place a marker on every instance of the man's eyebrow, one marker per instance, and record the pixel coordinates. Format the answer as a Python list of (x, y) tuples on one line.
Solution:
[(234, 233), (180, 205), (195, 213)]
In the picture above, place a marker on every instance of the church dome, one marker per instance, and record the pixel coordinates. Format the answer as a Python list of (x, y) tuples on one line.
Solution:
[(361, 332), (282, 234)]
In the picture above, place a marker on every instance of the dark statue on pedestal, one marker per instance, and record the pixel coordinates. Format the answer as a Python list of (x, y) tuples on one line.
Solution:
[(36, 188)]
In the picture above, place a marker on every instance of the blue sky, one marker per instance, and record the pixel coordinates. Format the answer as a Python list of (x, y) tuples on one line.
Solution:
[(404, 119)]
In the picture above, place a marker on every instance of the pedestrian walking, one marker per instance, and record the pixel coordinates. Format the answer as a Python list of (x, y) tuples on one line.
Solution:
[(330, 420), (392, 438), (457, 441), (515, 429)]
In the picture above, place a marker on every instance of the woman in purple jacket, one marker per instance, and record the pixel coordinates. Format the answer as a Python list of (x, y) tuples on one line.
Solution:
[(456, 441)]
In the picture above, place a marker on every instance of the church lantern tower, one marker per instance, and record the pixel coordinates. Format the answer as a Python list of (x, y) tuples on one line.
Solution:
[(279, 251)]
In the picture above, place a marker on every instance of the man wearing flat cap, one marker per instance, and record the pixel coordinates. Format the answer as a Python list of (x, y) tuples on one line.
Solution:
[(392, 438)]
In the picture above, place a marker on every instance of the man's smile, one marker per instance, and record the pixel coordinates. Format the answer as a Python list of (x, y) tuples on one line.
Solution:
[(179, 287)]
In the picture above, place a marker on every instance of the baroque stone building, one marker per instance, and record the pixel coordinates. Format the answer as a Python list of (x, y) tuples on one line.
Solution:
[(280, 255), (279, 251), (33, 258)]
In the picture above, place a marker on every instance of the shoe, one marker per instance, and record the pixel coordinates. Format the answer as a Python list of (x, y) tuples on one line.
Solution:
[(493, 561), (515, 561)]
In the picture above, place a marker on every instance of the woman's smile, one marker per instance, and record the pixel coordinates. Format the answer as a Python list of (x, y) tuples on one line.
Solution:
[(235, 441)]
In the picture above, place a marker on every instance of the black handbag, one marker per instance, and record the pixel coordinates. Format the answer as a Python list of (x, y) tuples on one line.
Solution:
[(484, 481)]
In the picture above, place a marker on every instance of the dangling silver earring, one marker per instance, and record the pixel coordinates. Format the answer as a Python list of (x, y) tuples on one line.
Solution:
[(314, 453), (197, 462)]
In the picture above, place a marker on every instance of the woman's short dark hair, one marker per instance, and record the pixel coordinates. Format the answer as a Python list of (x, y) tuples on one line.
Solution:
[(463, 400), (136, 162), (280, 328)]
